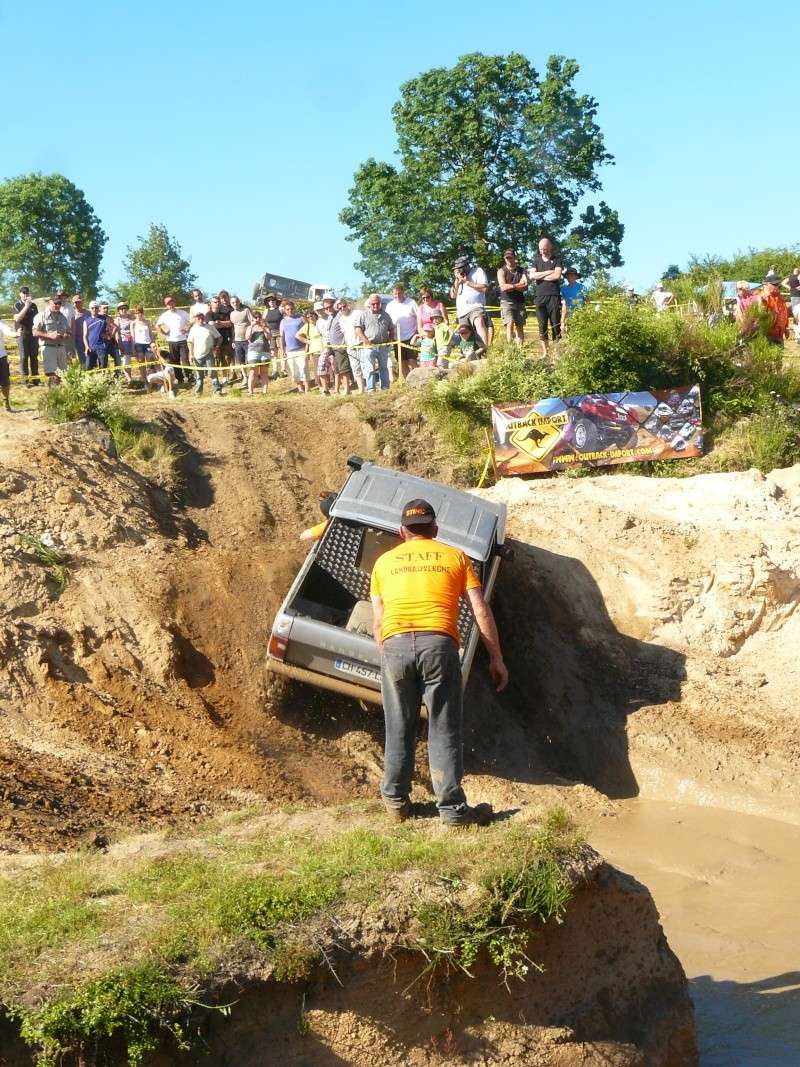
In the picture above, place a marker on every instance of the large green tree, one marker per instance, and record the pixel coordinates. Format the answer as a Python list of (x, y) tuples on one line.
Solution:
[(49, 235), (491, 154), (154, 268)]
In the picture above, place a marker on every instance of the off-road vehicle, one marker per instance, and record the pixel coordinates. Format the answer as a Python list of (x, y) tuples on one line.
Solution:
[(322, 633)]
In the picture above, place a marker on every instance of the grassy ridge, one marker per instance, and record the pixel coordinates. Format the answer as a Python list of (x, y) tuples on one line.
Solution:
[(750, 389), (121, 948)]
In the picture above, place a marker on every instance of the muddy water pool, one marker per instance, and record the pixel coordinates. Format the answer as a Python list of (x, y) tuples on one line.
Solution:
[(727, 887)]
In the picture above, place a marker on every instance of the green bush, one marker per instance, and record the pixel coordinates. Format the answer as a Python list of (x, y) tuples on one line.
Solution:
[(82, 395)]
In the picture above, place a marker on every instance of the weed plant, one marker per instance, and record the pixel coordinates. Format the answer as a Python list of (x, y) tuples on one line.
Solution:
[(83, 395), (119, 949), (54, 560)]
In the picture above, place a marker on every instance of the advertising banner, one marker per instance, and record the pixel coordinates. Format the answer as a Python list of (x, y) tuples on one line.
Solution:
[(597, 429)]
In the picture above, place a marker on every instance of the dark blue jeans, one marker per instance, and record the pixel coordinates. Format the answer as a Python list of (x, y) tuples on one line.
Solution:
[(417, 667)]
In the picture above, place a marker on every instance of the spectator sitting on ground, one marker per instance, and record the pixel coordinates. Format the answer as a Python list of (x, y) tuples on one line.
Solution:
[(463, 346), (662, 298), (163, 375), (204, 342), (469, 292)]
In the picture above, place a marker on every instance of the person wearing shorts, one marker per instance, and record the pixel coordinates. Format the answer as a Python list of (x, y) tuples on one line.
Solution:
[(52, 329), (341, 361), (513, 284), (124, 327), (5, 373), (241, 317), (145, 348), (547, 268), (469, 292), (293, 350), (257, 357)]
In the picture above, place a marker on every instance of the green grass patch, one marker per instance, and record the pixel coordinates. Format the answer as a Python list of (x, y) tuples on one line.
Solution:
[(118, 948), (86, 395), (749, 387), (54, 560)]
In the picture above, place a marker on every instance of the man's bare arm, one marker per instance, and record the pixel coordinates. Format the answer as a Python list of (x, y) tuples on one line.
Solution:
[(377, 620), (488, 629)]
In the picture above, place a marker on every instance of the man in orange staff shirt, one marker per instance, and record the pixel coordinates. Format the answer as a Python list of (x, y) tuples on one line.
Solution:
[(415, 590)]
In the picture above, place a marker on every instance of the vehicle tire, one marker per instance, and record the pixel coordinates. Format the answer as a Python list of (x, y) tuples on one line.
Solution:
[(585, 436)]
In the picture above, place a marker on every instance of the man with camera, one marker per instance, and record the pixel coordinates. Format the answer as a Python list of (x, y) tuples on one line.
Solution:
[(469, 292)]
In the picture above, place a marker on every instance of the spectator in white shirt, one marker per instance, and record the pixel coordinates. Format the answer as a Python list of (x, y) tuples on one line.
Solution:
[(174, 325), (404, 312), (469, 292)]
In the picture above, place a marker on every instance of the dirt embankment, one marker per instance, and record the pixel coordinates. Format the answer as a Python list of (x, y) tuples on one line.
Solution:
[(649, 625)]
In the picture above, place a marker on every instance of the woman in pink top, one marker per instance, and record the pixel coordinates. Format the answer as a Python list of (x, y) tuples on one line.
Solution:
[(426, 307)]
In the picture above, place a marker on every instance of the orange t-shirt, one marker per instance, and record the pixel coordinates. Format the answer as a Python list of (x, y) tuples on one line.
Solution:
[(421, 583), (780, 313)]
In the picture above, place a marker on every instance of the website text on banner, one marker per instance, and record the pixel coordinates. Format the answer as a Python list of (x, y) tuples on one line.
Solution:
[(597, 429)]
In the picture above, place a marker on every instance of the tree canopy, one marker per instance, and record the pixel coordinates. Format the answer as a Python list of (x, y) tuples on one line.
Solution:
[(49, 236), (154, 269), (491, 155)]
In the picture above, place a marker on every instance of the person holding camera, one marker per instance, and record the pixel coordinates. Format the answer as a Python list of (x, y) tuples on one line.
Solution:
[(469, 292)]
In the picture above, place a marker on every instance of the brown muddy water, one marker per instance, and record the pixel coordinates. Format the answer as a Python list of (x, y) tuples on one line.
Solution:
[(726, 886)]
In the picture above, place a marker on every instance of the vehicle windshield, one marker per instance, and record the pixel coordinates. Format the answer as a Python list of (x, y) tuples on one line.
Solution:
[(373, 544)]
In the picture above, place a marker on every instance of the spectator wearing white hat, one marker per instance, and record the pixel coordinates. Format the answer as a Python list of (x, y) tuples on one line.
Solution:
[(662, 298)]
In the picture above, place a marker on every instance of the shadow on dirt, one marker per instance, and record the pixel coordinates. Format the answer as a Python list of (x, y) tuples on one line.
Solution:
[(193, 463), (575, 679), (757, 1023)]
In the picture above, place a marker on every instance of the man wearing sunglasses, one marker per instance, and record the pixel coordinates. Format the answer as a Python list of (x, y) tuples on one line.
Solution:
[(52, 330)]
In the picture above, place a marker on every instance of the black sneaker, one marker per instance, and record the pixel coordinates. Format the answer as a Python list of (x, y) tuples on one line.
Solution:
[(480, 815)]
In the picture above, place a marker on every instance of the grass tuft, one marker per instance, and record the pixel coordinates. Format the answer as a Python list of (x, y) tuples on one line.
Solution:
[(54, 560)]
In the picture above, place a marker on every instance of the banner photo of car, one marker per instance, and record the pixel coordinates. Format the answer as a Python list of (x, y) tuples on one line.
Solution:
[(597, 429)]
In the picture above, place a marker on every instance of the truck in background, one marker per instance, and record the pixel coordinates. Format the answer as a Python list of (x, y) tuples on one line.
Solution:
[(287, 288)]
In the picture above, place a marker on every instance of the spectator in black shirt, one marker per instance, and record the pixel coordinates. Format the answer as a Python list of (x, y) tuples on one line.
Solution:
[(272, 317), (547, 268), (220, 315), (25, 311)]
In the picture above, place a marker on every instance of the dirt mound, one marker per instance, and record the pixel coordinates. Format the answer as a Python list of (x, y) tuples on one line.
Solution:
[(139, 694), (661, 631)]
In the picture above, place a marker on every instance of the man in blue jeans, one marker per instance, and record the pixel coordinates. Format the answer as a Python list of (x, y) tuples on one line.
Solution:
[(416, 589), (374, 331)]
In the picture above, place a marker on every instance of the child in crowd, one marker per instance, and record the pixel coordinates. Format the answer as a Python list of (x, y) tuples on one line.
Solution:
[(464, 345), (441, 332), (427, 346)]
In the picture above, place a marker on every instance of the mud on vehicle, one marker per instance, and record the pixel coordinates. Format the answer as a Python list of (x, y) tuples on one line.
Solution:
[(322, 633)]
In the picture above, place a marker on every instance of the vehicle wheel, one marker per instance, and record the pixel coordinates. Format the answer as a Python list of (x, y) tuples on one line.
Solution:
[(585, 435)]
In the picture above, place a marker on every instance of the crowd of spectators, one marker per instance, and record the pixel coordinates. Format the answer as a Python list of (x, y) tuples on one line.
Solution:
[(333, 346)]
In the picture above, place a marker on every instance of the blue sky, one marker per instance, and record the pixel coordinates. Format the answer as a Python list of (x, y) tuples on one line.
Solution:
[(240, 130)]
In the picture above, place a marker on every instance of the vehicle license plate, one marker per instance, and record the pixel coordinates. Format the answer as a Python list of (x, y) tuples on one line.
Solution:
[(346, 666)]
